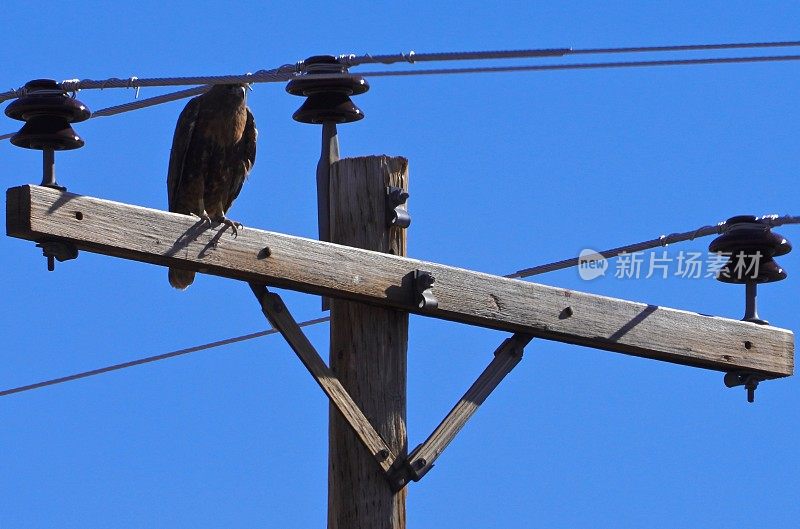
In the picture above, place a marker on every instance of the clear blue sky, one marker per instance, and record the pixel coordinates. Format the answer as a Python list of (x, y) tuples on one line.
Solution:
[(507, 171)]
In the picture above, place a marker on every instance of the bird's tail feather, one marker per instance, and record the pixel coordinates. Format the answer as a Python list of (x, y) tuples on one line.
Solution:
[(180, 279)]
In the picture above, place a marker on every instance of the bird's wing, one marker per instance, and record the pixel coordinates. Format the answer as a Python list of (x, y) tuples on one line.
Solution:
[(184, 130), (244, 158)]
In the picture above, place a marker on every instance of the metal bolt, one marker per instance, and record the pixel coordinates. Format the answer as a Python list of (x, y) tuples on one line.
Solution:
[(61, 250), (748, 380)]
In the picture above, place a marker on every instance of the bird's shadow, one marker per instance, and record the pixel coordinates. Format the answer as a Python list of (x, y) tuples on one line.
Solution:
[(212, 243), (192, 234), (639, 318), (61, 201)]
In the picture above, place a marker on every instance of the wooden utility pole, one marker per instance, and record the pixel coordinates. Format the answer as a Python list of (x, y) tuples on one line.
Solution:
[(368, 351)]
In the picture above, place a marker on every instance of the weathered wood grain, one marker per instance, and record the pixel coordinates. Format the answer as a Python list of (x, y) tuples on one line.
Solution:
[(552, 313), (368, 351)]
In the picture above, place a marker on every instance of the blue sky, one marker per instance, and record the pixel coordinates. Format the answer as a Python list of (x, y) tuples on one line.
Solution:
[(507, 171)]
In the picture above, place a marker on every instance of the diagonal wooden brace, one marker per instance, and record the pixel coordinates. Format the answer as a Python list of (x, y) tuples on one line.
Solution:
[(279, 316), (421, 459)]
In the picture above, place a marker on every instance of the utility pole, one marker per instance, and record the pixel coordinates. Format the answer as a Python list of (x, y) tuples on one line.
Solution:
[(368, 350), (361, 265)]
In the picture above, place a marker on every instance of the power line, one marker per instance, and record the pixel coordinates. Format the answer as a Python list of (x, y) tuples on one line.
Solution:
[(586, 66), (412, 57), (247, 78), (157, 100), (149, 359), (664, 240), (282, 73), (661, 241), (287, 71), (139, 103), (688, 47)]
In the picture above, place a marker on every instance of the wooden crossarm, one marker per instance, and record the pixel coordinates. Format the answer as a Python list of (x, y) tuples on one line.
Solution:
[(552, 313)]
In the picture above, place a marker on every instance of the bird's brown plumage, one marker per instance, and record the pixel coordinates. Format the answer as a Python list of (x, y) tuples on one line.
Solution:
[(213, 150)]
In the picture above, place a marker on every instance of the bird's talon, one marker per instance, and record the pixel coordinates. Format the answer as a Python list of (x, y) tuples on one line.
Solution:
[(205, 219), (233, 225)]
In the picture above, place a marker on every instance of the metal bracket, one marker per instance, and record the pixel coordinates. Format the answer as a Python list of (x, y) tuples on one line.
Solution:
[(61, 250), (423, 290), (748, 380), (396, 212)]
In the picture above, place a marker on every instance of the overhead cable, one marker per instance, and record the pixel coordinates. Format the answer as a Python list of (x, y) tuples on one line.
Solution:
[(413, 57), (287, 71), (149, 359), (174, 96), (661, 241)]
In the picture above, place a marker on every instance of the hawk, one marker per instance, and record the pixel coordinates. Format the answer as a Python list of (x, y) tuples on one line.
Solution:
[(213, 150)]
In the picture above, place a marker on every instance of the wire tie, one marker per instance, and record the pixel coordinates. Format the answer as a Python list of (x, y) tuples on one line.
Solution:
[(409, 57), (698, 230), (71, 85), (260, 73), (133, 83), (346, 60), (771, 219)]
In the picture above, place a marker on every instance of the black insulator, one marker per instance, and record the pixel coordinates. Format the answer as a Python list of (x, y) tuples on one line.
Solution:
[(47, 112), (328, 99), (47, 132), (751, 246), (745, 269)]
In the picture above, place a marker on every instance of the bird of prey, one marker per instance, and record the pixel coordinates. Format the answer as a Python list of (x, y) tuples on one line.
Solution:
[(213, 150)]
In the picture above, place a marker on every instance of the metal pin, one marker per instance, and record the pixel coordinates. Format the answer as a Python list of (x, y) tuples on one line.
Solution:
[(49, 168)]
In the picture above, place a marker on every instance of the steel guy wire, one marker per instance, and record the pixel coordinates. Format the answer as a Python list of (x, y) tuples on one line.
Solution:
[(663, 240)]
